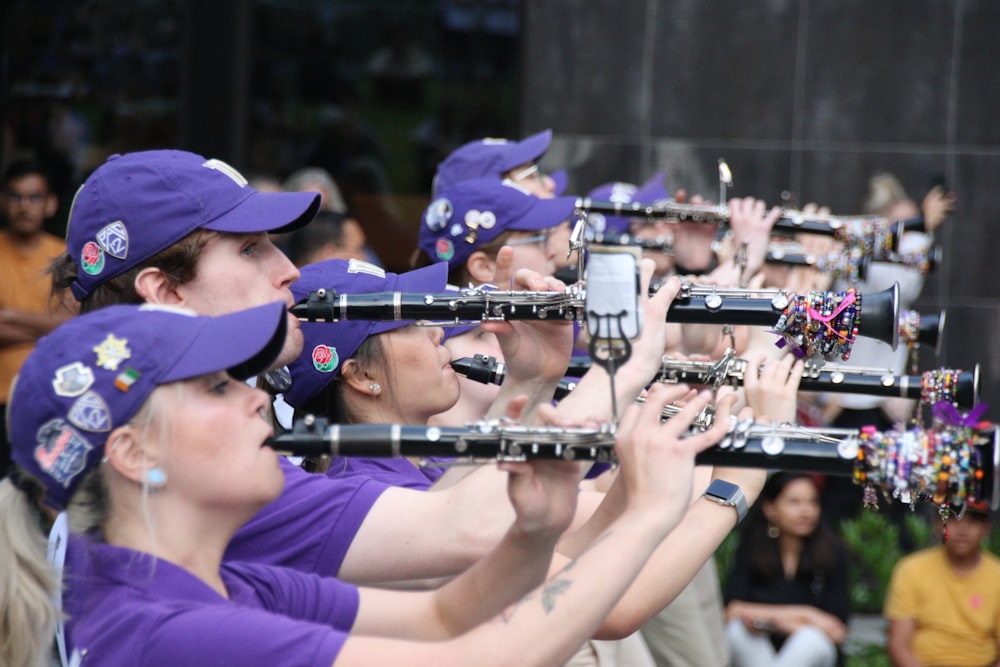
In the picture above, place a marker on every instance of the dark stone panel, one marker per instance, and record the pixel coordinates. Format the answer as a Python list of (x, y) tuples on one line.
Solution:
[(978, 83), (970, 337), (839, 179), (878, 71), (972, 240), (724, 69), (582, 70), (756, 172), (590, 162)]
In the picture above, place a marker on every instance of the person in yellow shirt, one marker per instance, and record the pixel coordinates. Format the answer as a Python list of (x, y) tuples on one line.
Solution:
[(943, 603), (26, 250)]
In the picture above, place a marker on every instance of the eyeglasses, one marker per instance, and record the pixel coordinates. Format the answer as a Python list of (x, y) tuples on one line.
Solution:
[(528, 172), (33, 198), (541, 239)]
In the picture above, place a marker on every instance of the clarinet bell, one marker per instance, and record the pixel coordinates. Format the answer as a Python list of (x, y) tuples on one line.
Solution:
[(934, 258), (880, 316), (967, 389), (930, 332)]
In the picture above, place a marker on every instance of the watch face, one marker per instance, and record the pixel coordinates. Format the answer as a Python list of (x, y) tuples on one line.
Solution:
[(722, 489)]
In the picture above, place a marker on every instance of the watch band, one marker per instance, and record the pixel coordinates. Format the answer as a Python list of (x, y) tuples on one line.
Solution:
[(730, 495)]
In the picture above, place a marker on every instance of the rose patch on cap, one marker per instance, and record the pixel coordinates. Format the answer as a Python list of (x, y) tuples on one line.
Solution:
[(92, 258), (325, 358), (445, 249)]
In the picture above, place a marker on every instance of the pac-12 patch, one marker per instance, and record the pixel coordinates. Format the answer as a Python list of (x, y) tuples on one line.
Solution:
[(90, 413), (113, 239)]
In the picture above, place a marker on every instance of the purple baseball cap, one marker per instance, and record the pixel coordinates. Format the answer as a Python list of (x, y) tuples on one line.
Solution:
[(138, 204), (327, 344), (561, 180), (649, 192), (618, 192), (653, 190), (472, 213), (93, 373), (488, 157)]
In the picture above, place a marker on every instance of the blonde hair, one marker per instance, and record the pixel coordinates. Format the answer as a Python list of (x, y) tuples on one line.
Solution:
[(28, 584), (884, 191)]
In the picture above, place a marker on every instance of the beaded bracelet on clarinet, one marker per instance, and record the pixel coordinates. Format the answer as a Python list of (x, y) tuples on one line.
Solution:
[(943, 465), (909, 335), (938, 385), (863, 237), (821, 324)]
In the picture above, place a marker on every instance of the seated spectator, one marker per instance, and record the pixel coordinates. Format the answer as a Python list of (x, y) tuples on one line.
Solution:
[(786, 598), (943, 603)]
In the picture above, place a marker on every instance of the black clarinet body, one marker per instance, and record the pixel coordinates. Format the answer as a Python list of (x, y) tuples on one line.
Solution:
[(842, 452)]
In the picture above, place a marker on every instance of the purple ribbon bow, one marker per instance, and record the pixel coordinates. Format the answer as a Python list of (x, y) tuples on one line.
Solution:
[(947, 413)]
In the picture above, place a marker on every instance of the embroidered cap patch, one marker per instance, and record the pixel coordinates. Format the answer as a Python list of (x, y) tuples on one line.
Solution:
[(72, 379), (111, 352), (61, 451), (324, 358)]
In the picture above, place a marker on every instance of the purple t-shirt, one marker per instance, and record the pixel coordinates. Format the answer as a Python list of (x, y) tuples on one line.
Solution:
[(311, 524), (390, 471), (128, 608)]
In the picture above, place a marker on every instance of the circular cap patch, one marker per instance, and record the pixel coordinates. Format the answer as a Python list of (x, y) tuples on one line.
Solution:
[(438, 214), (92, 258), (324, 358), (445, 249)]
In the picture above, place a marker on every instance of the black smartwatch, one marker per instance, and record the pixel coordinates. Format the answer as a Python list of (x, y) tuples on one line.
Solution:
[(727, 493)]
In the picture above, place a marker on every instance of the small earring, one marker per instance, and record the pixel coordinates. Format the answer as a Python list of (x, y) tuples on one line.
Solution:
[(773, 531), (375, 387), (156, 477)]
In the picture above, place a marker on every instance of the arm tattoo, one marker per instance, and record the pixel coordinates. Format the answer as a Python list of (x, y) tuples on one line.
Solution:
[(554, 587), (551, 590)]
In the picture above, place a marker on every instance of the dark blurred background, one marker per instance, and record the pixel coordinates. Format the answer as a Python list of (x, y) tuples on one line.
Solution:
[(808, 97)]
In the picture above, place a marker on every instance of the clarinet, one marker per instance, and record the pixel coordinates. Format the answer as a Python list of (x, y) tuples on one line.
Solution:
[(487, 370), (949, 464), (878, 232), (693, 305), (955, 386), (917, 328)]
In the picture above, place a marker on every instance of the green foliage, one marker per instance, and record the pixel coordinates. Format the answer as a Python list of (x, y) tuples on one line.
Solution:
[(874, 544), (868, 655), (724, 556)]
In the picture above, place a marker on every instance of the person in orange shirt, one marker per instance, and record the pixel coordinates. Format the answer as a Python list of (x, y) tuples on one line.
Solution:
[(26, 250), (943, 603)]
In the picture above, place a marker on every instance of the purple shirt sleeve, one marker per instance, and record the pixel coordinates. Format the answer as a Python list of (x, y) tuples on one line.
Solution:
[(298, 595), (133, 609), (310, 526), (390, 471), (217, 635)]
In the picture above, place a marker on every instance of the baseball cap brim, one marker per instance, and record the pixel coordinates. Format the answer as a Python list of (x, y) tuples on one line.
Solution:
[(244, 343), (526, 150), (544, 214), (277, 212)]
